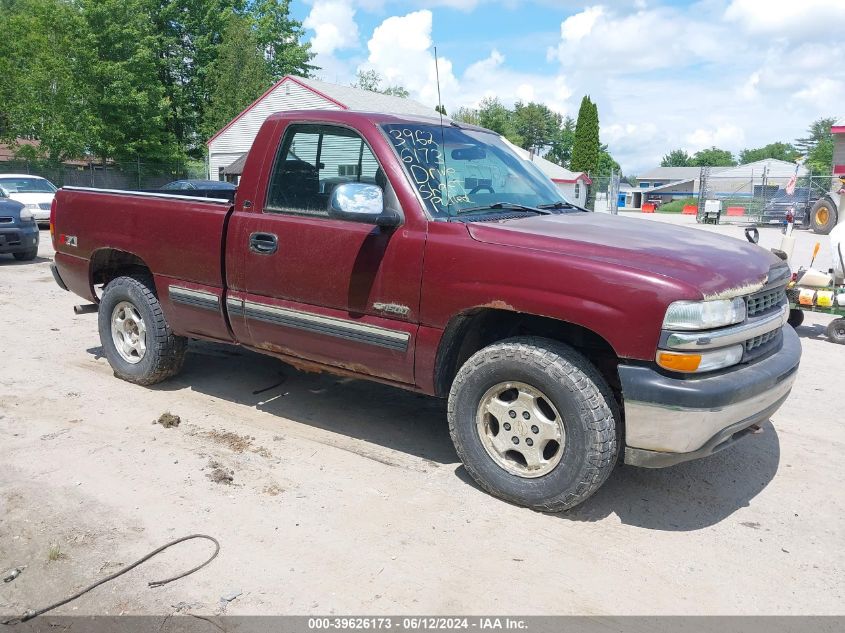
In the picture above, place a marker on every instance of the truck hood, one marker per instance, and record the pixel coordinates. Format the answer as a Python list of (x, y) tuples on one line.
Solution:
[(32, 198), (713, 264)]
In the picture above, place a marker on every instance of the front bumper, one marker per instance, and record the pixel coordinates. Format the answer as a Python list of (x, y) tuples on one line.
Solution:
[(18, 238), (672, 420)]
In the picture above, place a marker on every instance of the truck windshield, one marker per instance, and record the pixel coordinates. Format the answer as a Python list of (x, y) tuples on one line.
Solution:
[(465, 171)]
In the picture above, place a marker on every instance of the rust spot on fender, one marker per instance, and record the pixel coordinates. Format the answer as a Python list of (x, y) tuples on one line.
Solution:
[(499, 305)]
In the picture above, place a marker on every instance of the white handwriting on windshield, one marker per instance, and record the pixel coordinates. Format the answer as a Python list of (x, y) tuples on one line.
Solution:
[(434, 180)]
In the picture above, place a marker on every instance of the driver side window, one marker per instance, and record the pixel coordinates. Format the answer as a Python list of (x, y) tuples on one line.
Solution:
[(314, 159)]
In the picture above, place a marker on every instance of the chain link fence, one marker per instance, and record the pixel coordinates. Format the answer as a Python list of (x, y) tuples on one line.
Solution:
[(603, 194), (762, 200), (127, 175)]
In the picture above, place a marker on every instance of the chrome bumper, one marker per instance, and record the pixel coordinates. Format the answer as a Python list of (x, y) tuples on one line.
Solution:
[(671, 420)]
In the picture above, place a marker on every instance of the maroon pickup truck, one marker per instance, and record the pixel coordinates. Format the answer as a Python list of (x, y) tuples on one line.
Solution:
[(431, 257)]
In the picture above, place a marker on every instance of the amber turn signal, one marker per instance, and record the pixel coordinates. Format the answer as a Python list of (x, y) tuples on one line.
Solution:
[(678, 362)]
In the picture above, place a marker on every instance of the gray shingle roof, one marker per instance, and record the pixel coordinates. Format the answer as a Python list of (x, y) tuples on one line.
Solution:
[(367, 101), (675, 173)]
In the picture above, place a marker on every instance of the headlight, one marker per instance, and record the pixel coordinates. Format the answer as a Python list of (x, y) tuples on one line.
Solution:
[(704, 315), (26, 213), (700, 362)]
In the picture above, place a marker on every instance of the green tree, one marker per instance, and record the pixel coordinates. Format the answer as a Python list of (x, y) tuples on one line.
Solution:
[(130, 103), (279, 36), (606, 164), (585, 151), (779, 151), (562, 143), (371, 80), (45, 93), (536, 124), (493, 115), (676, 158), (817, 146), (238, 76), (441, 109), (713, 157)]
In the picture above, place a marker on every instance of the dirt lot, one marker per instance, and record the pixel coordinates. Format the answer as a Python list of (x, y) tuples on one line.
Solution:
[(337, 496)]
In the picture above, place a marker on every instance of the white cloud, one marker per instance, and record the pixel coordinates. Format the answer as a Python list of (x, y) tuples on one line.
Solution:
[(787, 18), (334, 26), (729, 73), (401, 51), (578, 26)]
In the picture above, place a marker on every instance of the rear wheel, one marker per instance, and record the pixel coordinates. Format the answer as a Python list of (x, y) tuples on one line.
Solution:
[(836, 331), (823, 217), (534, 423), (138, 342)]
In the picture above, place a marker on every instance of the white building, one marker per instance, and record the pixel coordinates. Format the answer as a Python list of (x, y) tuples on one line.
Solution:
[(297, 93)]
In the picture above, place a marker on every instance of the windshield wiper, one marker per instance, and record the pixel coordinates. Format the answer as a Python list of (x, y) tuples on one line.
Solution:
[(504, 205), (560, 204)]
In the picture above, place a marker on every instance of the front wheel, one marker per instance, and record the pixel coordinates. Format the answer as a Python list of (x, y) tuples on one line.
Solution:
[(534, 423), (796, 317), (27, 256), (138, 342)]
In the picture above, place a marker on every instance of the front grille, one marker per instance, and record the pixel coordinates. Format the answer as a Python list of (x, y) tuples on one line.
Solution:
[(44, 206), (759, 341), (763, 302), (6, 219)]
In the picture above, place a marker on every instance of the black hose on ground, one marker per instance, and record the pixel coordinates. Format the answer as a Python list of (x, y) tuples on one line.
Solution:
[(153, 583)]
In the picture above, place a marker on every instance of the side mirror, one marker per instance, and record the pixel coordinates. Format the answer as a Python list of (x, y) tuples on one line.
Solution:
[(361, 202)]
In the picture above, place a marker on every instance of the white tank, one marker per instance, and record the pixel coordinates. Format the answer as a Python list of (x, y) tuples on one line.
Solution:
[(837, 249)]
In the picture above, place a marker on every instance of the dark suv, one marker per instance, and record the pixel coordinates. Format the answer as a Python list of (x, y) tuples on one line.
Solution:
[(18, 230), (800, 202)]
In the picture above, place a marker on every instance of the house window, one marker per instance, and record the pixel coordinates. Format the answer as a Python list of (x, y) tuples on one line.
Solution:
[(577, 190), (348, 170), (644, 185), (657, 184)]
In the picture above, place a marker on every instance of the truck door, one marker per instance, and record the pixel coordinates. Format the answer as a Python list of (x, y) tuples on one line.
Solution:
[(337, 292)]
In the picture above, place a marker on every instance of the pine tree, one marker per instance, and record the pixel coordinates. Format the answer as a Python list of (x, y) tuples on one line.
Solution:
[(585, 151)]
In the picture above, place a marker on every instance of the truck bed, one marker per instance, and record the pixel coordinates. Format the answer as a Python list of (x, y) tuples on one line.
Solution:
[(177, 237)]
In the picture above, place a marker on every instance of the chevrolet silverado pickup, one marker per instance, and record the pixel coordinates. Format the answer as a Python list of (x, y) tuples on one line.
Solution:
[(427, 255)]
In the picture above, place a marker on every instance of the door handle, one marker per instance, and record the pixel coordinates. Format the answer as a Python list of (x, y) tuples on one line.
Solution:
[(263, 243)]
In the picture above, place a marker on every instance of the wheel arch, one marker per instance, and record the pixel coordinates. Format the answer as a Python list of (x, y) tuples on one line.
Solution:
[(109, 263), (476, 328)]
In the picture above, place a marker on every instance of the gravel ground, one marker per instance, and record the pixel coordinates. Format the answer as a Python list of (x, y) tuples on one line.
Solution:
[(331, 495)]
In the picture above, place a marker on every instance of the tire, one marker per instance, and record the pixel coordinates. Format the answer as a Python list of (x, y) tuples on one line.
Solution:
[(164, 353), (26, 256), (823, 216), (836, 331), (572, 389), (796, 317)]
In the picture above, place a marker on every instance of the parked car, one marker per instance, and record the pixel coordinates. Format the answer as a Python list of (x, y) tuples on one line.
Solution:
[(193, 185), (201, 189), (781, 203), (565, 341), (35, 192), (18, 230)]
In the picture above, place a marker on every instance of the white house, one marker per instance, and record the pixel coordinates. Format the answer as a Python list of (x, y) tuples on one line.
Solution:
[(296, 93)]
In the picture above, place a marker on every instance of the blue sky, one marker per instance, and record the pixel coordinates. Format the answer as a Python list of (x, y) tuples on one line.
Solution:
[(730, 73)]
